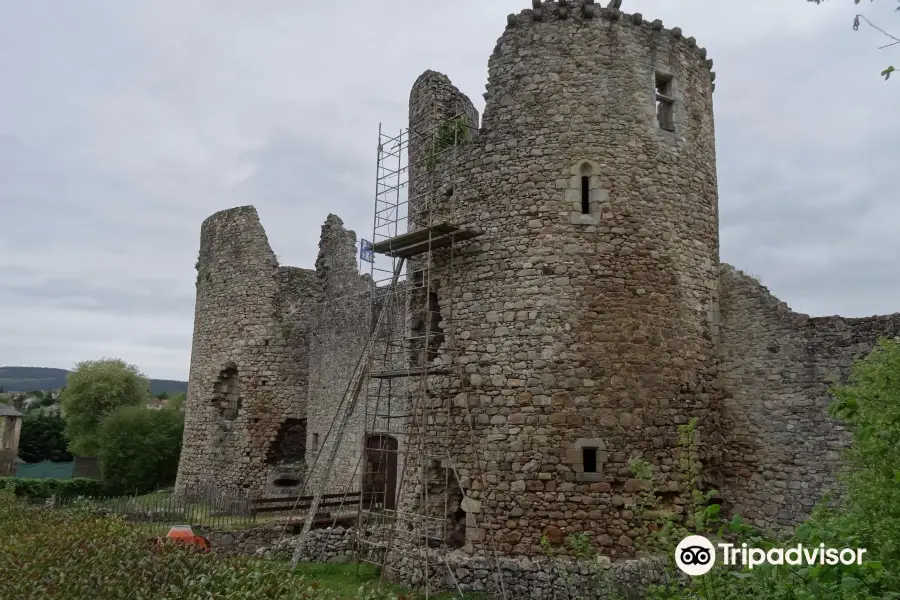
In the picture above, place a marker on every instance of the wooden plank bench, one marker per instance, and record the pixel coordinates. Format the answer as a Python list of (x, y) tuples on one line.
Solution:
[(303, 503)]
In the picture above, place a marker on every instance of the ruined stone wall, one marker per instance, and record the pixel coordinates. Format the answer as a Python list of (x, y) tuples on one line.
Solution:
[(247, 363), (342, 324), (435, 108), (782, 451), (581, 335)]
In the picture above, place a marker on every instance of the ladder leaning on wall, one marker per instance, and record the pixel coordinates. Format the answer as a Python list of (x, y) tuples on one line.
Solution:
[(397, 362)]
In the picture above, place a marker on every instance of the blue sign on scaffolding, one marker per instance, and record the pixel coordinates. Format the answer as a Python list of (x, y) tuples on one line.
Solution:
[(365, 251)]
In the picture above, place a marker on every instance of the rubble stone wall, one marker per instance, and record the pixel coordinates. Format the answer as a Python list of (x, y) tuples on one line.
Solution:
[(521, 577), (344, 320), (782, 450)]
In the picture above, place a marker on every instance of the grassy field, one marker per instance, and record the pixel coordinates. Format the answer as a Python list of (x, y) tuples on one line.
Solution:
[(72, 554)]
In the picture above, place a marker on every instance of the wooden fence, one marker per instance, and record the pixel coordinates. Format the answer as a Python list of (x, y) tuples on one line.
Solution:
[(214, 509)]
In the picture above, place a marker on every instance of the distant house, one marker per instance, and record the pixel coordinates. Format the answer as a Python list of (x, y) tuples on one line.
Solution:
[(157, 404), (10, 429)]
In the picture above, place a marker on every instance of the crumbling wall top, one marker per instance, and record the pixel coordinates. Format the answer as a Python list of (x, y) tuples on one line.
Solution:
[(581, 11)]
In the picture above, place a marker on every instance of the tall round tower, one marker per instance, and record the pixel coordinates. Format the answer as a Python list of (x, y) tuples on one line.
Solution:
[(584, 317), (245, 414)]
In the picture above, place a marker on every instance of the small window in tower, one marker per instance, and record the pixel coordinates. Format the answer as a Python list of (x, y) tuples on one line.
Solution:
[(665, 102), (585, 195), (589, 459), (315, 442)]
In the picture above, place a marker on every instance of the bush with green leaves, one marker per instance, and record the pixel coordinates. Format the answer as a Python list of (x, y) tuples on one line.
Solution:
[(43, 437), (866, 516), (38, 489), (74, 554), (94, 389), (139, 448), (69, 554)]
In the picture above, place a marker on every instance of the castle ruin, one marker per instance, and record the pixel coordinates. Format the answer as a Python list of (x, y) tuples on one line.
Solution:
[(584, 319)]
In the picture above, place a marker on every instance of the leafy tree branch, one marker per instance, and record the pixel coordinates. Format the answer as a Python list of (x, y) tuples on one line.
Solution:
[(858, 19)]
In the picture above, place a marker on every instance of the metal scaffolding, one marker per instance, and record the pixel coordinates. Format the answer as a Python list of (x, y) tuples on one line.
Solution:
[(407, 484), (395, 533)]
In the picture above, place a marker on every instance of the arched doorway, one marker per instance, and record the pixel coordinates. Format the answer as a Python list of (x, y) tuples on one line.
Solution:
[(380, 477)]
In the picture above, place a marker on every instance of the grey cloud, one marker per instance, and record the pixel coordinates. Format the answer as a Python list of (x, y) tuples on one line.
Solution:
[(125, 297), (123, 125)]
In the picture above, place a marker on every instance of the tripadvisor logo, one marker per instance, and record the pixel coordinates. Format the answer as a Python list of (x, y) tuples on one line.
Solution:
[(695, 555)]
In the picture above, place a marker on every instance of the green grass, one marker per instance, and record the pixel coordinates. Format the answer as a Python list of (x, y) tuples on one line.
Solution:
[(346, 579)]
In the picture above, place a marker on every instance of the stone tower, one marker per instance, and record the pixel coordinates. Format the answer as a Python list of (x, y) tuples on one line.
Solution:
[(585, 316), (245, 415)]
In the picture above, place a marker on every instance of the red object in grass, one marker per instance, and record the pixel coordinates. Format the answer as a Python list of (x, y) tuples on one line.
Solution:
[(184, 533)]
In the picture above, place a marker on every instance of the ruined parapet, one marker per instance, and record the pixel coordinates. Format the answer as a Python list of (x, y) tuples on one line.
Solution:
[(244, 386), (585, 315), (440, 118), (782, 450), (342, 321)]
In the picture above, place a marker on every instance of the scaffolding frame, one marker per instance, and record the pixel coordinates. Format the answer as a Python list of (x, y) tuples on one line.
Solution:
[(394, 539), (405, 231)]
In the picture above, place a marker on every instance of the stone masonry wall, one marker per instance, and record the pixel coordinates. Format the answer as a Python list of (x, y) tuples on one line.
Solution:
[(342, 325), (274, 351), (782, 451), (538, 578), (579, 334), (246, 370)]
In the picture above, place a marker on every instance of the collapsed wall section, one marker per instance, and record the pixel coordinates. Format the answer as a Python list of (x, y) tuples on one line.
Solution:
[(246, 392), (782, 450)]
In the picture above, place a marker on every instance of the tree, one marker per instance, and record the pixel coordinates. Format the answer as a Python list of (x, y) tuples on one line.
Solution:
[(870, 403), (43, 438), (94, 389), (139, 448), (162, 396), (886, 73), (176, 402)]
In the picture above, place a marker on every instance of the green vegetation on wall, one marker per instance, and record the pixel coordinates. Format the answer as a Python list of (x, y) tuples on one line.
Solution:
[(450, 133), (867, 516)]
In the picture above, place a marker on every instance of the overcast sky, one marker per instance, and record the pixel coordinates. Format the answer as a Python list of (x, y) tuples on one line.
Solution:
[(124, 124)]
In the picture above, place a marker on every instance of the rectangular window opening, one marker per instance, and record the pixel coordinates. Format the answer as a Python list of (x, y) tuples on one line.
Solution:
[(315, 442), (665, 102), (589, 459), (585, 195)]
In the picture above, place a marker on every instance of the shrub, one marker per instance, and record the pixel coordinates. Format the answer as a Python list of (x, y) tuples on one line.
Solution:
[(867, 515), (43, 438), (94, 389), (139, 448), (38, 489), (64, 554)]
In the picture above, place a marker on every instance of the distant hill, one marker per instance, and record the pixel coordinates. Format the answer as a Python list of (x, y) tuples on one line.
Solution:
[(26, 379)]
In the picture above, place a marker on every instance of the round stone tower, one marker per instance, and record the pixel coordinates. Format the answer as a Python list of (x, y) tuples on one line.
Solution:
[(584, 318), (246, 400)]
